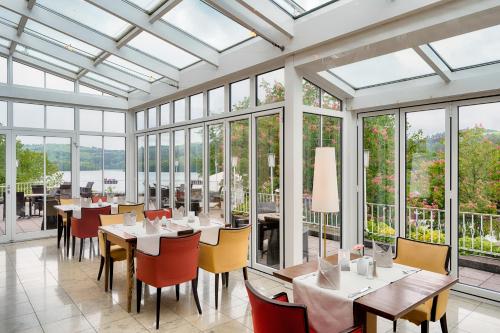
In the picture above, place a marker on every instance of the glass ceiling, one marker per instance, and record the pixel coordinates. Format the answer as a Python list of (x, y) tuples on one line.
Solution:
[(4, 42), (397, 66), (109, 82), (300, 7), (207, 24), (131, 68), (61, 39), (147, 5), (89, 15), (8, 17), (164, 51), (474, 48), (42, 56)]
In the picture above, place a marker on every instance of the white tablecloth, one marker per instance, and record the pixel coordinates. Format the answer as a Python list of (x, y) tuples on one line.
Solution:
[(77, 210), (209, 233), (332, 310)]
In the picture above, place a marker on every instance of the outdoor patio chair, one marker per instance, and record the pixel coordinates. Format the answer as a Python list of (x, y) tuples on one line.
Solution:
[(86, 192)]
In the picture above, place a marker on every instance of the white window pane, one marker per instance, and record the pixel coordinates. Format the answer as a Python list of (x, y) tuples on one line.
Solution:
[(44, 57), (57, 82), (401, 65), (3, 113), (131, 68), (110, 82), (139, 120), (216, 101), (196, 106), (89, 15), (9, 17), (114, 122), (158, 48), (147, 5), (114, 165), (165, 114), (4, 42), (298, 7), (211, 26), (91, 162), (27, 76), (60, 118), (88, 90), (179, 110), (456, 51), (3, 70), (28, 115), (152, 117), (271, 87), (90, 120), (240, 95)]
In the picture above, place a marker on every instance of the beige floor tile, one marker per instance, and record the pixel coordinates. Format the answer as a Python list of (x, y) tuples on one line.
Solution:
[(73, 324), (230, 327), (128, 325), (20, 323), (50, 315)]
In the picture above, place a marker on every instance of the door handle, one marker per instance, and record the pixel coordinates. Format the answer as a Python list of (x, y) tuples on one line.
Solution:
[(8, 189)]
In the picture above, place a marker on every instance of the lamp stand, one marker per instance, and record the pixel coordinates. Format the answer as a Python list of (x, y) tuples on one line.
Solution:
[(324, 235)]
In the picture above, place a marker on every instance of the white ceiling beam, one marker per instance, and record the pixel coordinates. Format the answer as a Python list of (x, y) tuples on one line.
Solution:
[(249, 20), (165, 8), (91, 37), (100, 58), (270, 13), (21, 25), (12, 47), (81, 73), (128, 37), (336, 86), (432, 59), (161, 30), (74, 58)]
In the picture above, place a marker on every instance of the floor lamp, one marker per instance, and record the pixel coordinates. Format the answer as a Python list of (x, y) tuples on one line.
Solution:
[(325, 196)]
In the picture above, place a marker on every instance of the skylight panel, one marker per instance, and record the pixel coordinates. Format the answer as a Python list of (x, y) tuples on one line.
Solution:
[(147, 5), (109, 82), (471, 49), (299, 7), (207, 24), (4, 42), (88, 15), (131, 68), (8, 17), (388, 68), (49, 59), (162, 50), (61, 39)]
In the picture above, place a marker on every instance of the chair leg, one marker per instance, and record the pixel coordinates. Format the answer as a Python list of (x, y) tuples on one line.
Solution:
[(138, 288), (177, 292), (216, 291), (158, 302), (59, 232), (223, 277), (227, 279), (91, 247), (245, 274), (444, 324), (101, 266), (111, 264), (73, 245), (81, 248), (394, 324), (424, 327), (194, 286)]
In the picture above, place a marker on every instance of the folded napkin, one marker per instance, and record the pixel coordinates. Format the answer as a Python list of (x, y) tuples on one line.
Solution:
[(328, 275), (129, 218), (153, 227), (178, 213), (204, 219), (382, 257)]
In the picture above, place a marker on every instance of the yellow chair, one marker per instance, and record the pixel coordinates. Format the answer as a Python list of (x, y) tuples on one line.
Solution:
[(117, 253), (137, 208), (430, 257), (229, 254)]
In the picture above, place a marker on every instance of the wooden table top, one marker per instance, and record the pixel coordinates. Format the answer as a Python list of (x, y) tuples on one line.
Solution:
[(392, 301)]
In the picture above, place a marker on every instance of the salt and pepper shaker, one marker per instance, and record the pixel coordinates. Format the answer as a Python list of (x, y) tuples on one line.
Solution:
[(370, 269)]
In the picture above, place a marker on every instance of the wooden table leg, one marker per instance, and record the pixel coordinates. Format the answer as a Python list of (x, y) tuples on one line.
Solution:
[(365, 319), (107, 261), (68, 231), (130, 274)]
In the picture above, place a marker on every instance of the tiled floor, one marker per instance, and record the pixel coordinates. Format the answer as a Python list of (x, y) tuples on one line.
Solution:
[(41, 291)]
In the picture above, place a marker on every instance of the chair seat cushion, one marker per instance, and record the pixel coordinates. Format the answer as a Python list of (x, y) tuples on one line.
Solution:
[(420, 314), (117, 253)]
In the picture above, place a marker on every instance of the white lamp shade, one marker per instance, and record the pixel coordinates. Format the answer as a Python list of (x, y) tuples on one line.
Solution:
[(325, 197)]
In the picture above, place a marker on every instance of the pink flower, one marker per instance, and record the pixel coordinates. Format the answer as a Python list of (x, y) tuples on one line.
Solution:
[(358, 247)]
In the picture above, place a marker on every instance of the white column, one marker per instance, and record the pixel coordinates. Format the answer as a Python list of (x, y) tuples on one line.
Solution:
[(131, 158), (292, 189)]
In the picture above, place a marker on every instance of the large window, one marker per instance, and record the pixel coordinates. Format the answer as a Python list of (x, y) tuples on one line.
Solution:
[(152, 172), (3, 113), (240, 173), (58, 83), (179, 110), (240, 95), (28, 115), (196, 168), (102, 121), (3, 70), (90, 120), (179, 167), (141, 175), (152, 117), (196, 106), (216, 101), (216, 171), (271, 87), (29, 76), (58, 117), (165, 114), (317, 97), (165, 170), (91, 157), (139, 120)]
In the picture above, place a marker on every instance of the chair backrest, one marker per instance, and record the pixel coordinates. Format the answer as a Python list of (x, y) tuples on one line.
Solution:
[(428, 256), (96, 198), (232, 248), (90, 217), (89, 185), (272, 316), (108, 220), (137, 208), (176, 263), (37, 189), (65, 202), (159, 213)]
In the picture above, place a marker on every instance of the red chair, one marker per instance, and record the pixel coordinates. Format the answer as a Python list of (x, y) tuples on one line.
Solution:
[(277, 315), (159, 213), (176, 263), (96, 198), (87, 226)]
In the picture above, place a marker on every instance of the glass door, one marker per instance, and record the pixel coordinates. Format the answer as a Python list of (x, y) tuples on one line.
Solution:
[(6, 188)]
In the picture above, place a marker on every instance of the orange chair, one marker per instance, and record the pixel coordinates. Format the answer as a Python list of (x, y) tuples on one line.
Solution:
[(276, 315), (159, 213), (176, 263), (96, 198), (87, 226)]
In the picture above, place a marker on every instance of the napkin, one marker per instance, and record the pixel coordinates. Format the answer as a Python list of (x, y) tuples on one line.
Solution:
[(153, 227), (328, 275), (178, 213), (129, 218), (382, 257), (204, 219)]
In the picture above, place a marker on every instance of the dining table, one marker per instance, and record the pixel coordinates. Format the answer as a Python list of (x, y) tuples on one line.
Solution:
[(127, 238), (391, 301)]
